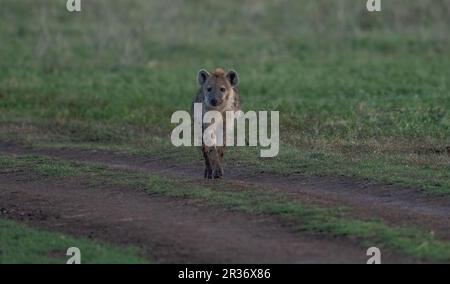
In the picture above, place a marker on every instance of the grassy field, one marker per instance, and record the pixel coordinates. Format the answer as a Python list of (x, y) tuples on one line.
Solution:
[(360, 95)]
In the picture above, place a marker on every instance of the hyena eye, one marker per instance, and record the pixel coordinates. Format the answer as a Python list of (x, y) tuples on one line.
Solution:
[(223, 89)]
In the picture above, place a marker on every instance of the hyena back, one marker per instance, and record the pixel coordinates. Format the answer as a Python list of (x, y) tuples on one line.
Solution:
[(218, 92)]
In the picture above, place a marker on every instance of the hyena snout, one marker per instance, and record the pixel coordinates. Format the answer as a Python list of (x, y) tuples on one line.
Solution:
[(216, 100)]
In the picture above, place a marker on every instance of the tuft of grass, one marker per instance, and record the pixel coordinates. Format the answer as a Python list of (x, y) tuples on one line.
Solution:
[(23, 245)]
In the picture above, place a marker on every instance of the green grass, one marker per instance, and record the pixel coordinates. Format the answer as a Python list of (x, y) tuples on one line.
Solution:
[(360, 95), (23, 245), (42, 166), (412, 241)]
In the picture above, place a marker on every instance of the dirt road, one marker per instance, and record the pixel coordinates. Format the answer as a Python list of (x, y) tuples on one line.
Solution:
[(173, 230)]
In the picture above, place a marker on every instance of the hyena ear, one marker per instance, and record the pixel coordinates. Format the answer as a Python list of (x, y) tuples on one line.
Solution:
[(202, 76), (233, 77)]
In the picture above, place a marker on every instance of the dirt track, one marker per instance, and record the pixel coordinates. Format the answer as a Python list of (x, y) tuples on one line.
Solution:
[(171, 230)]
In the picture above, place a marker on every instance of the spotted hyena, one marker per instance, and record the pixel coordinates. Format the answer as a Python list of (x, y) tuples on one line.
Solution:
[(218, 92)]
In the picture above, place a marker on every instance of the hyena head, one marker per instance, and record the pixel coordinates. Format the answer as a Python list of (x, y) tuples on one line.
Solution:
[(217, 88)]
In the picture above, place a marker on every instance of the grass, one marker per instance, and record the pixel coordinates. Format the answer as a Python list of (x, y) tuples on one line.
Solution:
[(360, 95), (411, 241), (42, 166), (24, 245)]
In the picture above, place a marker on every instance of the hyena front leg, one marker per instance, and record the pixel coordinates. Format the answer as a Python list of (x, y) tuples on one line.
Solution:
[(219, 154), (208, 169), (221, 149), (213, 157)]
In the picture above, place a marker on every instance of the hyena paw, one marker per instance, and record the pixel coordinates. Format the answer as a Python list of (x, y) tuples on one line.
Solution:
[(218, 173), (208, 173)]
